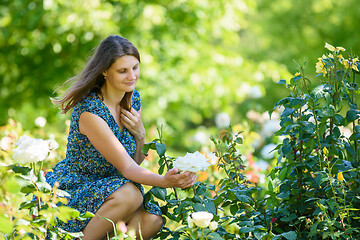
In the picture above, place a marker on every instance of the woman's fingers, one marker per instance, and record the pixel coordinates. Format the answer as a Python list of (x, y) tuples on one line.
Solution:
[(132, 121), (186, 179)]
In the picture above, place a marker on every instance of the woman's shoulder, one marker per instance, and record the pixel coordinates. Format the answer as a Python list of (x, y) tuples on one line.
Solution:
[(89, 103)]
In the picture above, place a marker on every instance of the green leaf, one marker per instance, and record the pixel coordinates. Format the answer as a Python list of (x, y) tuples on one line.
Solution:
[(313, 229), (290, 235), (284, 195), (159, 192), (317, 92), (282, 81), (28, 189), (87, 215), (233, 209), (12, 185), (244, 198), (147, 146), (6, 226), (352, 115), (270, 186), (27, 204), (210, 207), (339, 120), (215, 236), (287, 112), (282, 173), (246, 229), (199, 207), (20, 169), (161, 169), (160, 149), (67, 213)]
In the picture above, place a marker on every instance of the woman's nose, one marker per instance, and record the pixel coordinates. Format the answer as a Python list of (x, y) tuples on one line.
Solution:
[(132, 75)]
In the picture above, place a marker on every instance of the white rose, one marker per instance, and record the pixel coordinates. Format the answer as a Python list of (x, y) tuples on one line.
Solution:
[(222, 120), (52, 144), (255, 92), (40, 121), (5, 143), (190, 222), (30, 150), (202, 219), (267, 151), (213, 225), (192, 162), (270, 127)]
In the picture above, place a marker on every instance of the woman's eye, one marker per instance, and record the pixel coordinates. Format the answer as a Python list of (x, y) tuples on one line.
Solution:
[(136, 67), (122, 71)]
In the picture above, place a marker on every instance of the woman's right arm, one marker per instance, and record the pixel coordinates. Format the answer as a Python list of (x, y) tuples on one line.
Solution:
[(103, 139)]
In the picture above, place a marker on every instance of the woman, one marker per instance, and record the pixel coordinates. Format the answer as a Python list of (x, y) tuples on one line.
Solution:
[(101, 170)]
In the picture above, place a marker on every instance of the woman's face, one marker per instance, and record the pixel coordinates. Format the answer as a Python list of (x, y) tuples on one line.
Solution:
[(123, 74)]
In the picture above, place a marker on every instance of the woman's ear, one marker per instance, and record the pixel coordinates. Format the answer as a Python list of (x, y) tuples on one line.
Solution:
[(105, 74)]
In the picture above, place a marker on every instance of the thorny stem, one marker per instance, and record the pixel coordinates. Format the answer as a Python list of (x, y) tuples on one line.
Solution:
[(353, 123), (165, 158)]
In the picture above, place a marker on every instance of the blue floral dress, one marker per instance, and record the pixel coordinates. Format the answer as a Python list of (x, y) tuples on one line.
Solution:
[(85, 174)]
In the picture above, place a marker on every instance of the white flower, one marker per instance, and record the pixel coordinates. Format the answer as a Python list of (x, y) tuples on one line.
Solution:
[(52, 144), (190, 222), (212, 157), (192, 162), (266, 152), (40, 121), (202, 219), (30, 150), (213, 225), (255, 92), (270, 127), (201, 137), (222, 120), (5, 143)]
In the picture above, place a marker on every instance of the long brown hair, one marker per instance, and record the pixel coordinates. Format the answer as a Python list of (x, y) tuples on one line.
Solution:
[(91, 77)]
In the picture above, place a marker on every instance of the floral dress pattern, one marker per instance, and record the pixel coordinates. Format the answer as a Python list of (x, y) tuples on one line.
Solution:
[(85, 174)]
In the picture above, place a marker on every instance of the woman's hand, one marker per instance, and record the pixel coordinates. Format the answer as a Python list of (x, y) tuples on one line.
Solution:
[(132, 121), (182, 180)]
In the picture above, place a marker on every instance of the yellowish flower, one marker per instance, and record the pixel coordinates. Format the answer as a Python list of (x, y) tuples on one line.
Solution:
[(340, 49), (331, 56), (353, 66), (329, 47), (334, 49), (340, 56), (213, 225), (340, 176), (325, 150), (320, 67), (297, 74)]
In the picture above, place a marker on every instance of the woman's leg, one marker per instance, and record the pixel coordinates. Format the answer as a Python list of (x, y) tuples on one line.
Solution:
[(119, 206), (150, 224)]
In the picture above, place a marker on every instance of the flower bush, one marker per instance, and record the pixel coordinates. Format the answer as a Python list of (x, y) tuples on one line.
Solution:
[(315, 187), (40, 207)]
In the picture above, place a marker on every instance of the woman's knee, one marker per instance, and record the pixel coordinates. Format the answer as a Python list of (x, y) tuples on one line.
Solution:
[(155, 221), (128, 195)]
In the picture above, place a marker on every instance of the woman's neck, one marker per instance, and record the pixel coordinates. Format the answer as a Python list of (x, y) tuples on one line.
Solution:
[(111, 98)]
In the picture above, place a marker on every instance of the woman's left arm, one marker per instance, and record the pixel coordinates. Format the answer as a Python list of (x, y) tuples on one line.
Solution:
[(132, 121)]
